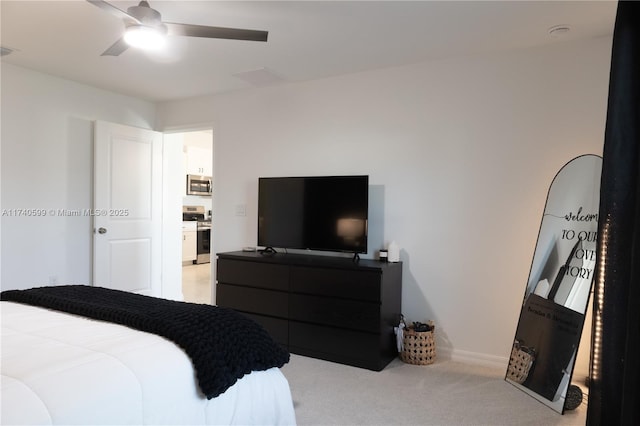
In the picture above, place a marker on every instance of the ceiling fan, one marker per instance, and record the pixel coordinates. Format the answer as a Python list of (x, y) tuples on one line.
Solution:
[(144, 27)]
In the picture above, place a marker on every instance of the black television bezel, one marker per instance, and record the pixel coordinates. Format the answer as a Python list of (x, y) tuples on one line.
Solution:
[(356, 251)]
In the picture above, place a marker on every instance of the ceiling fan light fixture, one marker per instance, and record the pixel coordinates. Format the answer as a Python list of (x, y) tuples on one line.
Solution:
[(145, 29), (144, 37)]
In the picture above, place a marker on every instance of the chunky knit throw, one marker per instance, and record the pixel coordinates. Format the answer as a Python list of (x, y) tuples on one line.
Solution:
[(223, 345)]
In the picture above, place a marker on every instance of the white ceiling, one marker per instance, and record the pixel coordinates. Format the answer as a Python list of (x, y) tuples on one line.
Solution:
[(307, 39)]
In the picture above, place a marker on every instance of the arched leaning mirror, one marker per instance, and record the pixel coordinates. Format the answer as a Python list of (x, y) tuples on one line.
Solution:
[(555, 300)]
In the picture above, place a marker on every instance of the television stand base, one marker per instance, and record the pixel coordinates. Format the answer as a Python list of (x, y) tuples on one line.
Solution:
[(268, 250)]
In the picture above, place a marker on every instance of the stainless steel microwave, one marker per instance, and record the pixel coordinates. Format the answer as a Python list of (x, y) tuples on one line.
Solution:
[(198, 185)]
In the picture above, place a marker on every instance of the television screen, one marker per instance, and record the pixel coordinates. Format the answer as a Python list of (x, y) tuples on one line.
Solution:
[(316, 213)]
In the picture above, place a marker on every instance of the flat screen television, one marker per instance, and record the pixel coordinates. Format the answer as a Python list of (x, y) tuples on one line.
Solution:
[(327, 213)]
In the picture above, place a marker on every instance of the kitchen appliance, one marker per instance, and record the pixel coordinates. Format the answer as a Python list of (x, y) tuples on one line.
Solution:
[(199, 185), (196, 213)]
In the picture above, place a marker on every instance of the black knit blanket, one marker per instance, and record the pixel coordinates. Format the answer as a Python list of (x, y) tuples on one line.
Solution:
[(223, 345)]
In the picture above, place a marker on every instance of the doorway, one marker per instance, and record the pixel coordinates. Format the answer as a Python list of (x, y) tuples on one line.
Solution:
[(197, 161)]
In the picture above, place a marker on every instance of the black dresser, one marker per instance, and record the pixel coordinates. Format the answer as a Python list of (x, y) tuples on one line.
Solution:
[(325, 307)]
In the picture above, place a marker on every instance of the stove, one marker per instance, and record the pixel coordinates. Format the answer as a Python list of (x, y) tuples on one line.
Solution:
[(192, 213), (197, 214)]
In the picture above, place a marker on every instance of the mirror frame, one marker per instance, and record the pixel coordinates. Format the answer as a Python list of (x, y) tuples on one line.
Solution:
[(560, 281)]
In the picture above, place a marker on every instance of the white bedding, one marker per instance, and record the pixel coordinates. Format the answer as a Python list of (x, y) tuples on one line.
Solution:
[(63, 369)]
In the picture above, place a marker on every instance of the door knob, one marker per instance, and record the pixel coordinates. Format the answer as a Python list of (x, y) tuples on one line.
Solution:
[(102, 230)]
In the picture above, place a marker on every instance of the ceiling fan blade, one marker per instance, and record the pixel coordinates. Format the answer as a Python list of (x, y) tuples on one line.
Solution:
[(215, 32), (116, 48), (108, 7)]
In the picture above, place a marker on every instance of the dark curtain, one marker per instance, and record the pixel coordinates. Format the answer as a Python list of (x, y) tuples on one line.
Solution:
[(614, 392)]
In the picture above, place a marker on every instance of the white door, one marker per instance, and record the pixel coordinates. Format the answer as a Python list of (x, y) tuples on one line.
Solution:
[(127, 211)]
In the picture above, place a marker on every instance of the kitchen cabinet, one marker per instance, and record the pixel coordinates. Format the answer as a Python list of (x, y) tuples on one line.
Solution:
[(199, 161), (189, 241)]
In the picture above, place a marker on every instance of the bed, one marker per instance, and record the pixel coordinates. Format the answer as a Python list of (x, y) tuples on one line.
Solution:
[(64, 368)]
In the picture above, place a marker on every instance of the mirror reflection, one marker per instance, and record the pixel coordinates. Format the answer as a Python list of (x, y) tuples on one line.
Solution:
[(557, 292)]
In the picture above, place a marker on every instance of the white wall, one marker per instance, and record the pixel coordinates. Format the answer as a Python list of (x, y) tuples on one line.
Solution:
[(47, 162), (460, 154)]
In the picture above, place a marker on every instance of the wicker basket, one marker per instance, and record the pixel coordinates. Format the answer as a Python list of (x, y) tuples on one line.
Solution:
[(520, 363), (419, 346)]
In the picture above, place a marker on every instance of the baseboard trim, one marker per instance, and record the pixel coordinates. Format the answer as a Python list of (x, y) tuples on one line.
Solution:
[(476, 358)]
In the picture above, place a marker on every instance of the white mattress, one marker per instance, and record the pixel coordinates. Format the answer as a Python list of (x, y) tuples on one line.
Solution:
[(63, 369)]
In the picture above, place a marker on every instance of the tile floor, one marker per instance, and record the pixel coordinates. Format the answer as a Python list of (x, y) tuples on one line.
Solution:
[(196, 283)]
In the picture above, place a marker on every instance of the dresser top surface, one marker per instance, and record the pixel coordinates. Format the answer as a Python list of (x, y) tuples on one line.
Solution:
[(310, 260)]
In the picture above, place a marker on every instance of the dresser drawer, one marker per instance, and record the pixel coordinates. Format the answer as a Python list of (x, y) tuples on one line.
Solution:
[(333, 344), (277, 328), (254, 300), (253, 274), (356, 284), (342, 313)]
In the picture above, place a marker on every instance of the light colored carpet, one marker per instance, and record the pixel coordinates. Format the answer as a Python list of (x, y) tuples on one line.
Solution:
[(443, 393)]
